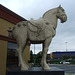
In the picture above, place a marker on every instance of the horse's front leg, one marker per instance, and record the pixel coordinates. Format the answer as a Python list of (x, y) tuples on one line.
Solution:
[(44, 54)]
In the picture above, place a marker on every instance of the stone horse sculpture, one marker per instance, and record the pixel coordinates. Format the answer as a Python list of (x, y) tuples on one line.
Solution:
[(38, 31)]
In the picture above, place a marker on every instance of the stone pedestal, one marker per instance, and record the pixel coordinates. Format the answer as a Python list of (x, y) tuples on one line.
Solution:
[(37, 71)]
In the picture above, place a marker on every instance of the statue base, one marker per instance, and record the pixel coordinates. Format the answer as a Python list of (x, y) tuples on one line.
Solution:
[(37, 71)]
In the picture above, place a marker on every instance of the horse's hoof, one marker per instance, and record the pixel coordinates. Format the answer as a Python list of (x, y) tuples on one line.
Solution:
[(46, 67), (24, 68)]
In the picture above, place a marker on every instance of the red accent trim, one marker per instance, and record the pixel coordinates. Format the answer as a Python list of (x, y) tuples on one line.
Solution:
[(9, 15), (5, 38)]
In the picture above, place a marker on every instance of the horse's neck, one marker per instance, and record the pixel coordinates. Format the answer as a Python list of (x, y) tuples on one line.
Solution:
[(53, 21), (50, 17)]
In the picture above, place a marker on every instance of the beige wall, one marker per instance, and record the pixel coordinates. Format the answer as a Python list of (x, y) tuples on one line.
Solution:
[(4, 25), (3, 57)]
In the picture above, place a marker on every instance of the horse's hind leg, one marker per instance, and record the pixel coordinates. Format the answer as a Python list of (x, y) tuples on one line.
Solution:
[(21, 45)]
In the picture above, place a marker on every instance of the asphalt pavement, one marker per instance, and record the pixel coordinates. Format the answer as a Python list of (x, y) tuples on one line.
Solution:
[(67, 68)]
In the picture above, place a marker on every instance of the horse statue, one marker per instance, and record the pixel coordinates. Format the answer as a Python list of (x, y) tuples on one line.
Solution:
[(38, 31)]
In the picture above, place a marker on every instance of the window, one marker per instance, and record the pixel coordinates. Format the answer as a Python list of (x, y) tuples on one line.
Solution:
[(12, 56)]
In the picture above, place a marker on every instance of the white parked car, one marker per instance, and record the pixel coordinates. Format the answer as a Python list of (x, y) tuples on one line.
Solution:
[(66, 62)]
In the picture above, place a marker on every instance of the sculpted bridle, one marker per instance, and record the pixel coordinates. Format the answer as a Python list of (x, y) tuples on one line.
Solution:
[(61, 14)]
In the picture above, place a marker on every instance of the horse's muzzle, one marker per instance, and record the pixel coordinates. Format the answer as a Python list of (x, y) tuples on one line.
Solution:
[(64, 19)]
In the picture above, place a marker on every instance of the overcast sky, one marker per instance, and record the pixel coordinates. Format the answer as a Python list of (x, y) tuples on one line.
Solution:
[(36, 8)]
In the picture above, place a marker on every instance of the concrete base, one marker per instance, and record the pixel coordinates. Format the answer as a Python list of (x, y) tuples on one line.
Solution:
[(37, 71)]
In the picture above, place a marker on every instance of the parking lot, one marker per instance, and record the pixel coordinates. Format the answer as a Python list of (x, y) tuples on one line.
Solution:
[(66, 68)]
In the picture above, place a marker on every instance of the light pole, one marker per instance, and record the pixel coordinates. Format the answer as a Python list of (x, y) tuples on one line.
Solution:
[(66, 45), (34, 53), (34, 49)]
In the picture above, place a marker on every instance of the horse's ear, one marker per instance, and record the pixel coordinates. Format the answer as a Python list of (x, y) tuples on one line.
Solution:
[(59, 6)]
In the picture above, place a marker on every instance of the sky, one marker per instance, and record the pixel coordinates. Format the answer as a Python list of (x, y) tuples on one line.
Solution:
[(65, 32)]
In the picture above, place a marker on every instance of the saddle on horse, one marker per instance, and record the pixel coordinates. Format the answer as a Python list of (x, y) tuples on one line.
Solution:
[(36, 26)]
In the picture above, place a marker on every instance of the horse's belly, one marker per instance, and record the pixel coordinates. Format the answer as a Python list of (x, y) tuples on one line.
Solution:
[(36, 36)]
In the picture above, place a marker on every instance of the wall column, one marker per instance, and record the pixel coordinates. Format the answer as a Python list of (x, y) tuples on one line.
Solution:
[(26, 55), (3, 57)]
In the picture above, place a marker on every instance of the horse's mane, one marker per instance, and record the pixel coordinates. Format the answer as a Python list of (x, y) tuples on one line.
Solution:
[(49, 11)]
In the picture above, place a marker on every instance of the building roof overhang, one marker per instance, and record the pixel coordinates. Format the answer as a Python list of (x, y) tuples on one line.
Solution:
[(9, 15)]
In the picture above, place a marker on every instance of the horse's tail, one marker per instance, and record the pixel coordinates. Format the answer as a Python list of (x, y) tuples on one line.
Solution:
[(10, 30)]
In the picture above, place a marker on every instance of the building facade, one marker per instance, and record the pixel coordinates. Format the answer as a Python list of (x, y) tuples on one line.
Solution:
[(8, 44), (61, 54)]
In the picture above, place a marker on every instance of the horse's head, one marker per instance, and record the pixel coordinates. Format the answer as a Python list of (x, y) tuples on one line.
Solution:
[(61, 14)]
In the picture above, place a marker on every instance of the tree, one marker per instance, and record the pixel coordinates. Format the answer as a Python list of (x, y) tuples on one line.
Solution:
[(38, 59), (73, 57), (31, 57), (65, 57), (48, 57)]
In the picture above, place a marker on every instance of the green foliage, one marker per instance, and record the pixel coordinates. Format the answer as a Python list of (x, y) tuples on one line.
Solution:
[(55, 61), (65, 57), (73, 57), (48, 56), (38, 59), (31, 57)]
